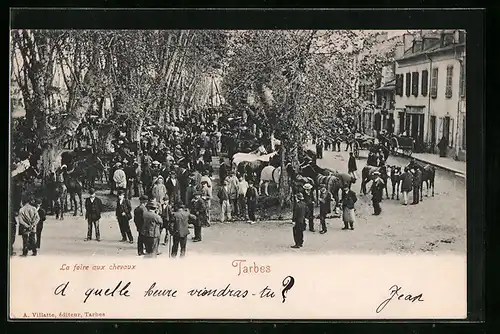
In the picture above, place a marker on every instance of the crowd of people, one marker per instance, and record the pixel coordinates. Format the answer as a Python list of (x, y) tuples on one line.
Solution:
[(172, 175)]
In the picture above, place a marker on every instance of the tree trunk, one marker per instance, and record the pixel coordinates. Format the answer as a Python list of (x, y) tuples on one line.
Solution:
[(284, 185), (50, 159)]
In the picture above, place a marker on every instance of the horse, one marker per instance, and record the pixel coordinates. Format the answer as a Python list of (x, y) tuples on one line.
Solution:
[(396, 180), (75, 188), (57, 193), (267, 175), (252, 169), (333, 184), (367, 175), (428, 176)]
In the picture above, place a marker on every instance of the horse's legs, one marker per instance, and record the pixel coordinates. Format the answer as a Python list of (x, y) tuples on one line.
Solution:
[(432, 184), (81, 206), (427, 182), (398, 186), (73, 201), (386, 192), (259, 188), (266, 187)]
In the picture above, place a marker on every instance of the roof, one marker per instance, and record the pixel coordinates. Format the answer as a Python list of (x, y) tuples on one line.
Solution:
[(434, 49)]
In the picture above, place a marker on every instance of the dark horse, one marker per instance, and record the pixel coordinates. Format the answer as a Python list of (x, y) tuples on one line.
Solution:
[(396, 180), (74, 186), (321, 176), (367, 176), (428, 176), (56, 192)]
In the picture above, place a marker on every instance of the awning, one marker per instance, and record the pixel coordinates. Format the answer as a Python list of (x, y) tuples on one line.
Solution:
[(385, 88)]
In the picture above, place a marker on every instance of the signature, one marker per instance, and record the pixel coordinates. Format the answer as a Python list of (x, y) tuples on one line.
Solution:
[(395, 292)]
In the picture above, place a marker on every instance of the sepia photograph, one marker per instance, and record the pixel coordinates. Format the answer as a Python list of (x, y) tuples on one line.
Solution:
[(170, 144)]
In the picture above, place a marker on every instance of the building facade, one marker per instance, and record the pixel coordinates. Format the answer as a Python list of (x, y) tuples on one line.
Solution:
[(430, 91), (373, 115)]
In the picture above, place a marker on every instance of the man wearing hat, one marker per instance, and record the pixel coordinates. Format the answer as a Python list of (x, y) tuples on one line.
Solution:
[(223, 196), (119, 178), (130, 174), (124, 215), (232, 182), (325, 200), (309, 200), (179, 228), (376, 190), (139, 223), (348, 200), (93, 209), (299, 217), (28, 219), (173, 188), (159, 190), (200, 211), (417, 183), (151, 228)]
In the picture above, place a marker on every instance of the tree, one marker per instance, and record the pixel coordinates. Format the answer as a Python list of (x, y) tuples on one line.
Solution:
[(148, 75)]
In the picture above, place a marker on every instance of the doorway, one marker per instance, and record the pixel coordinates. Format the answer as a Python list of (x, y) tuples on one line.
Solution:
[(401, 122), (446, 128), (390, 128)]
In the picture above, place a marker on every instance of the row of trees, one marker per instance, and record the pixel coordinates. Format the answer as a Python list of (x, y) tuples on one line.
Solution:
[(297, 81), (149, 75), (288, 80)]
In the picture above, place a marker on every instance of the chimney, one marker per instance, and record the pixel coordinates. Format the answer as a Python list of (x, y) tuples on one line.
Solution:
[(408, 42)]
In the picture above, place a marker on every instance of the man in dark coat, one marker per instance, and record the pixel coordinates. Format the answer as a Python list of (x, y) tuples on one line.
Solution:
[(173, 188), (417, 182), (151, 229), (325, 207), (406, 184), (93, 210), (139, 223), (309, 201), (319, 149), (299, 217), (200, 211), (377, 190), (130, 174), (124, 215), (251, 201), (443, 146), (39, 226), (179, 228), (147, 179), (351, 165)]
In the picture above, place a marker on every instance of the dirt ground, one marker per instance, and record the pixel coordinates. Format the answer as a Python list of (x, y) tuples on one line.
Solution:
[(437, 225)]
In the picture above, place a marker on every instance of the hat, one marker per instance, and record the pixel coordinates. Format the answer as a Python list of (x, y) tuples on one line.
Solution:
[(121, 192), (156, 162), (152, 205), (118, 164), (172, 172), (300, 196), (125, 161), (308, 186), (376, 173), (91, 191), (143, 198)]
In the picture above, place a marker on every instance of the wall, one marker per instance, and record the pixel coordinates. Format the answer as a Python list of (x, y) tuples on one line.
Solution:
[(439, 106)]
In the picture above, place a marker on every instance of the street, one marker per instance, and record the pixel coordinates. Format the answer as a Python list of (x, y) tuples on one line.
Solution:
[(435, 225)]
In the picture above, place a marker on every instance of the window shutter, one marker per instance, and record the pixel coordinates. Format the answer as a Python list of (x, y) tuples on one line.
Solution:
[(434, 82), (441, 125), (451, 132), (414, 84), (408, 84), (425, 82)]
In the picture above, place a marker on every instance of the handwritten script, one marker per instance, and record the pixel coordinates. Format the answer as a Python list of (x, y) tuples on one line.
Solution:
[(395, 293), (124, 290)]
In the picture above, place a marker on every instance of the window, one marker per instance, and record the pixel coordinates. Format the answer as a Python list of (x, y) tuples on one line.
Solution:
[(462, 80), (434, 83), (425, 82), (399, 84), (449, 81), (414, 84), (408, 84)]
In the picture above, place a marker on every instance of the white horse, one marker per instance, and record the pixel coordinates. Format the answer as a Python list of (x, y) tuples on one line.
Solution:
[(258, 155), (267, 175)]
